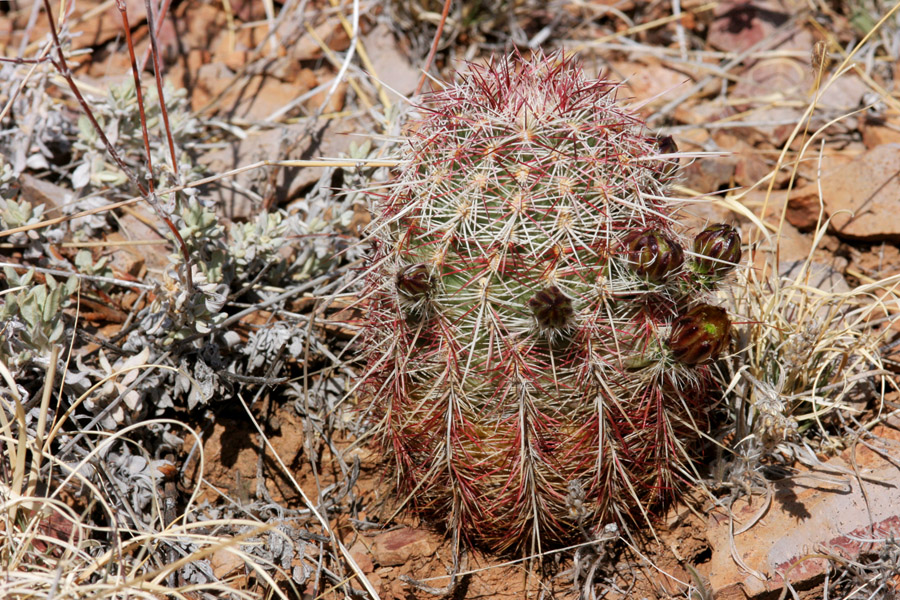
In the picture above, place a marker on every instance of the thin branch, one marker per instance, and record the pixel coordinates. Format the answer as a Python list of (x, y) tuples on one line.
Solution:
[(63, 67), (434, 46)]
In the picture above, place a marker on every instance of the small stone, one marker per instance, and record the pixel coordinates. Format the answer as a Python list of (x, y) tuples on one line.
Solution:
[(397, 547), (649, 80), (390, 63), (820, 276), (103, 26), (224, 563), (790, 243), (335, 101), (363, 557), (329, 140), (784, 76), (749, 164), (307, 47), (124, 259), (804, 209), (715, 173), (844, 94)]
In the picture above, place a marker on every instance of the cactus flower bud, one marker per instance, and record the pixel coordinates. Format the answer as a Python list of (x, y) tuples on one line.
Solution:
[(666, 145), (414, 281), (717, 249), (652, 254), (552, 309), (700, 334)]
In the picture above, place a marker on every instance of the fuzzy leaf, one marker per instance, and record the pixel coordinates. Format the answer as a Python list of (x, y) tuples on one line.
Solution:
[(81, 176), (52, 304), (57, 332), (72, 284), (30, 307)]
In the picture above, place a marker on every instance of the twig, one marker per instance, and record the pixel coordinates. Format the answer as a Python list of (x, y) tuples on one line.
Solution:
[(95, 278), (157, 72), (63, 67), (434, 46), (163, 11), (679, 29)]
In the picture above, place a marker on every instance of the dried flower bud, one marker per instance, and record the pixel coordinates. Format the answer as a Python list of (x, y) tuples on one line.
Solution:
[(666, 145), (552, 309), (700, 334), (414, 281), (717, 249), (819, 58), (652, 254)]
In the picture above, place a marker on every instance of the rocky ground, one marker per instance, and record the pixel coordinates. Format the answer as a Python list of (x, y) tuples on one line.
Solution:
[(180, 441)]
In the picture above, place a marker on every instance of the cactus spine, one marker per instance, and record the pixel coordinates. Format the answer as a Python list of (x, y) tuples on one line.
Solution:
[(526, 274)]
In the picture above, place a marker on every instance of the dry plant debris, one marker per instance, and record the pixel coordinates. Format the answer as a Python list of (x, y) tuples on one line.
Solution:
[(180, 312)]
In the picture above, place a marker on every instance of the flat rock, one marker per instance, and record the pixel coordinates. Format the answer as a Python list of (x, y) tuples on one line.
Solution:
[(363, 557), (820, 276), (804, 208), (129, 261), (697, 215), (391, 65), (823, 163), (329, 139), (739, 24), (784, 77), (649, 81), (397, 547), (710, 174), (844, 94), (791, 245), (96, 30), (37, 191), (860, 197), (133, 225), (817, 512), (255, 99), (749, 164), (877, 133)]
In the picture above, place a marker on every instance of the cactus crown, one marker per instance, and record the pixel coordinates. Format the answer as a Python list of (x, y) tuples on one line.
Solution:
[(516, 321)]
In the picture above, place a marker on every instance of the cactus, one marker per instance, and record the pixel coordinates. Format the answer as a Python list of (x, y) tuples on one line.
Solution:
[(526, 275)]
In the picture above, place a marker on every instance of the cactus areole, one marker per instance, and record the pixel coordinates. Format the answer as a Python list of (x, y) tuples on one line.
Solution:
[(526, 274)]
